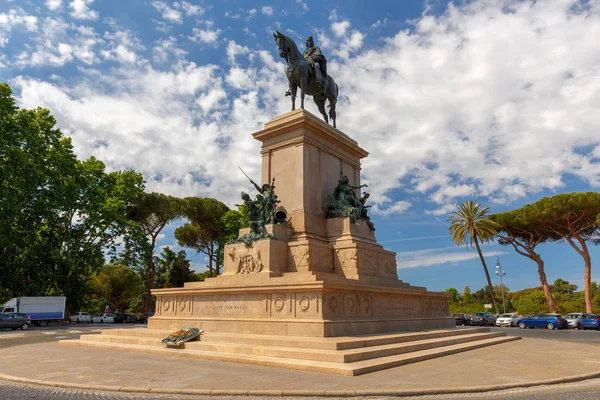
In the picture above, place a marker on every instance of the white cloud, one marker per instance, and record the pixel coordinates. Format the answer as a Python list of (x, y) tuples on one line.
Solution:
[(340, 28), (166, 50), (121, 47), (492, 100), (267, 10), (303, 6), (53, 4), (158, 122), (60, 43), (208, 36), (240, 78), (379, 23), (428, 257), (231, 15), (171, 14), (398, 207), (80, 9), (234, 49), (486, 100), (14, 18), (191, 10)]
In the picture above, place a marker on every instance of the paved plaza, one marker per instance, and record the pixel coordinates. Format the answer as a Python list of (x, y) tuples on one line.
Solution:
[(517, 363)]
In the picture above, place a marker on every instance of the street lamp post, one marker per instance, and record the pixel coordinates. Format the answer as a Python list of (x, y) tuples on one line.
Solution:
[(500, 272)]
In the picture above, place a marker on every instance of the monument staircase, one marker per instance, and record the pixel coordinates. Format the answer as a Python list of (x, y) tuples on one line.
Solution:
[(350, 355), (311, 289)]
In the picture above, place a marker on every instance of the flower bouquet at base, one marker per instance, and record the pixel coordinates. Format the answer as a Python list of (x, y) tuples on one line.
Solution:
[(181, 336)]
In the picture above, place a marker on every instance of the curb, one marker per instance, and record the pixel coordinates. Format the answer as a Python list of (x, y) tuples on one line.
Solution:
[(303, 393)]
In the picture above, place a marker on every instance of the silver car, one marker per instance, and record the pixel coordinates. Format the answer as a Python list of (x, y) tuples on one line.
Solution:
[(507, 320), (574, 320)]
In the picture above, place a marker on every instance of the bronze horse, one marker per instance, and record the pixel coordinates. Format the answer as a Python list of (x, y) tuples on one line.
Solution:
[(299, 74)]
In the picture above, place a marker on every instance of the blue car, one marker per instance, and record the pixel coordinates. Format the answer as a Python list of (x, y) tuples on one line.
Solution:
[(590, 321), (548, 321)]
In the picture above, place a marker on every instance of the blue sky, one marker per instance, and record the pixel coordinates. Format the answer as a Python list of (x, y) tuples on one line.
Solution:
[(497, 101)]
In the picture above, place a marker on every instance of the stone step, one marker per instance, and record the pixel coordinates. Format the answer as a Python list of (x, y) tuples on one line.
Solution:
[(340, 356), (351, 368), (367, 366), (336, 343)]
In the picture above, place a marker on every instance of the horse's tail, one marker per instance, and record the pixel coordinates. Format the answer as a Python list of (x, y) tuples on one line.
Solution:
[(333, 98)]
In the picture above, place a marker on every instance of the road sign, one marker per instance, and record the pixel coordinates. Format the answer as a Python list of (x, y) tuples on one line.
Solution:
[(487, 306)]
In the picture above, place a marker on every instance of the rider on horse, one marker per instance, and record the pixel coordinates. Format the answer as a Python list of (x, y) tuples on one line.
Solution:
[(316, 60)]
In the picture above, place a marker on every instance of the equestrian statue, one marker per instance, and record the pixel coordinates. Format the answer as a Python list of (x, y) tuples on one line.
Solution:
[(308, 71)]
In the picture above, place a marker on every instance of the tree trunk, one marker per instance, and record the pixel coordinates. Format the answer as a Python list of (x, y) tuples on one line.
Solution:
[(535, 257), (487, 275), (150, 284), (151, 274), (587, 272)]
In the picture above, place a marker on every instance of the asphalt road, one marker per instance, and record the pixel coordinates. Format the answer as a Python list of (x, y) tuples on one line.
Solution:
[(569, 335), (586, 390)]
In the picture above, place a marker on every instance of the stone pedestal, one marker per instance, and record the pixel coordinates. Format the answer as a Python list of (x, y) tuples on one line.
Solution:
[(316, 277)]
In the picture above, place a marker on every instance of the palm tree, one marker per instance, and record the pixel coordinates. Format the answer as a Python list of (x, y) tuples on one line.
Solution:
[(469, 226)]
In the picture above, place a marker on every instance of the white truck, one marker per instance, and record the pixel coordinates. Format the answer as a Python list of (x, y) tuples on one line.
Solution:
[(41, 310)]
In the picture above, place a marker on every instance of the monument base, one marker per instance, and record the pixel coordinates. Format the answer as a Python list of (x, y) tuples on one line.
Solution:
[(299, 304)]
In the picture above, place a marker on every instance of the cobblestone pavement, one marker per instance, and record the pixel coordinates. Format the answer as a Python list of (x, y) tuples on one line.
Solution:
[(587, 390)]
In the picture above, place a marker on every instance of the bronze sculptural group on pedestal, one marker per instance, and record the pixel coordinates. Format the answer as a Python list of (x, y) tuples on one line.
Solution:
[(308, 71), (344, 203)]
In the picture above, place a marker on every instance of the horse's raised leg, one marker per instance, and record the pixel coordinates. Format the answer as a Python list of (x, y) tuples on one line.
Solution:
[(321, 105), (293, 90)]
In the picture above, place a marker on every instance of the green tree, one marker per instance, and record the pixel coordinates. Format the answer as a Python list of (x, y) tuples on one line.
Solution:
[(58, 215), (530, 301), (153, 211), (467, 295), (454, 295), (562, 286), (204, 230), (572, 217), (469, 226), (520, 229), (229, 228), (117, 285), (180, 271)]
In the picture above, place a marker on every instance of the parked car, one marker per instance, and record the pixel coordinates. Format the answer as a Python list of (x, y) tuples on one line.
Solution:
[(590, 321), (143, 319), (483, 318), (131, 319), (462, 319), (119, 318), (574, 320), (15, 321), (103, 318), (81, 317), (507, 320), (548, 321)]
